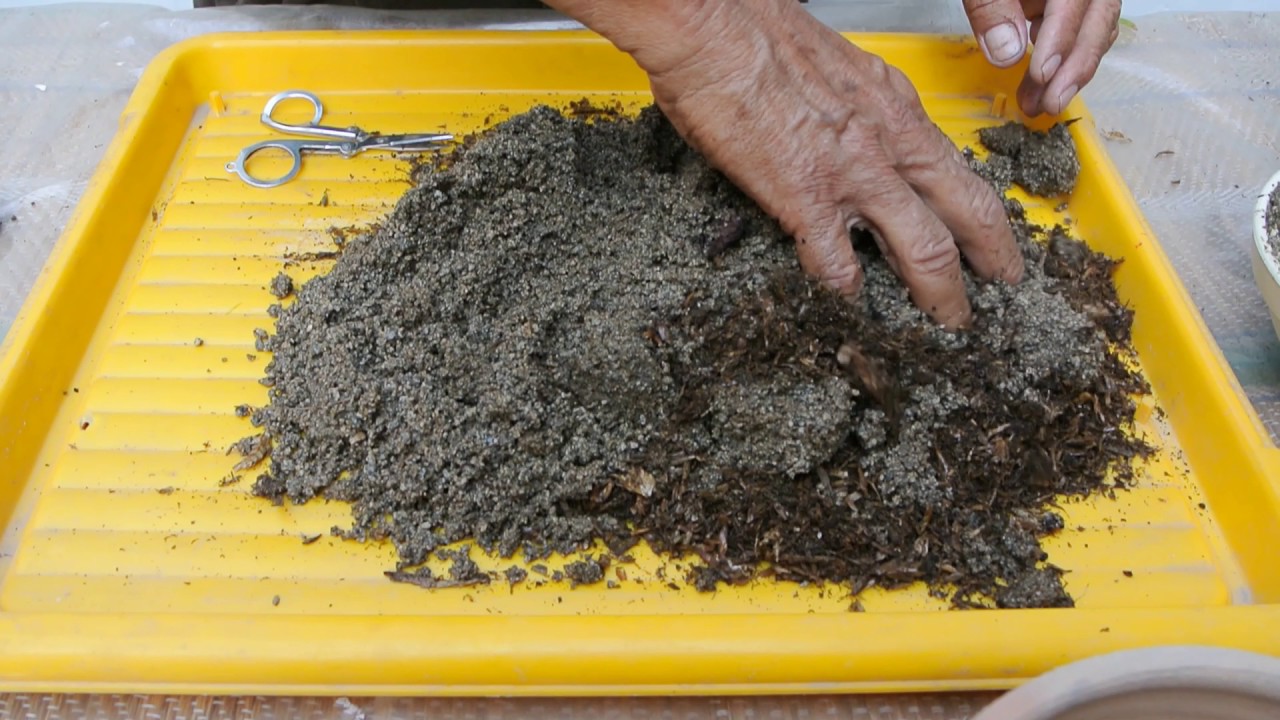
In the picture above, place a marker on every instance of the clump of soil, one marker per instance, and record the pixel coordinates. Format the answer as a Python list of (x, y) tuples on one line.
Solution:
[(1043, 163), (281, 286), (588, 571), (575, 330)]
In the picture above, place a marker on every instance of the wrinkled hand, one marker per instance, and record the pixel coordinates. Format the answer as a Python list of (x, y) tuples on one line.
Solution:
[(821, 135), (1070, 37), (825, 137)]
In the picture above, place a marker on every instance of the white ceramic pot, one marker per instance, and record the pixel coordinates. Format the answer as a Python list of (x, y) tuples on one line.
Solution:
[(1180, 682), (1266, 269)]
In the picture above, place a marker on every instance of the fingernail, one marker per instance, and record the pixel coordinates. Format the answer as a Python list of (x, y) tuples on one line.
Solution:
[(1065, 97), (1050, 67), (1004, 44)]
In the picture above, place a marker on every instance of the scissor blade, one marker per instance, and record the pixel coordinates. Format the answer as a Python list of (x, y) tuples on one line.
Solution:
[(415, 141)]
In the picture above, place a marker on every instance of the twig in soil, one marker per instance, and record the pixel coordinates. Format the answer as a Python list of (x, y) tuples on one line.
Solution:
[(424, 578), (254, 450), (727, 237)]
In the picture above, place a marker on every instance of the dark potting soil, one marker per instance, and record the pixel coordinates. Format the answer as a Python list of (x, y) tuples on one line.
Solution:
[(1042, 162), (575, 330)]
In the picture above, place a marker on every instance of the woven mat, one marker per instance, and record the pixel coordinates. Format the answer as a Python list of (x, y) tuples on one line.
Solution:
[(162, 707)]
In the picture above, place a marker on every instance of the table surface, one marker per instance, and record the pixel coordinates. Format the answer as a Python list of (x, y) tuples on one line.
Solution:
[(167, 707), (1205, 86)]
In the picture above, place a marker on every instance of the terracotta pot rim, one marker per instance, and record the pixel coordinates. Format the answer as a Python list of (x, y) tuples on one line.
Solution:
[(1115, 675), (1260, 235)]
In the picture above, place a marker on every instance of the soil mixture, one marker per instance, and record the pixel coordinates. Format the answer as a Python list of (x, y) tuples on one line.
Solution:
[(574, 330), (1043, 163)]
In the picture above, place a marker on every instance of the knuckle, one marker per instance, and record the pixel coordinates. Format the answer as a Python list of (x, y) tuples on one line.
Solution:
[(823, 250), (906, 119), (943, 150), (900, 109), (921, 148), (902, 112), (877, 70), (843, 277), (879, 191), (992, 10), (811, 216), (990, 213), (900, 84), (1092, 60), (1111, 14), (816, 185), (934, 257), (984, 207)]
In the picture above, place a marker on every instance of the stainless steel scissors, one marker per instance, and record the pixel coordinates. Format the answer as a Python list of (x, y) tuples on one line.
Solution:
[(346, 142)]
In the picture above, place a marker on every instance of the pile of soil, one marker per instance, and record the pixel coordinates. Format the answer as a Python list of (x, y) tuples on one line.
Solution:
[(574, 330)]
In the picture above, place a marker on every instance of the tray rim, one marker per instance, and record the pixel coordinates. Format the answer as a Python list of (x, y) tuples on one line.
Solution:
[(452, 656)]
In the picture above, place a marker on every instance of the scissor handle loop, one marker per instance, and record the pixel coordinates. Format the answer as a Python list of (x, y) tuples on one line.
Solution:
[(317, 109), (240, 166), (313, 127)]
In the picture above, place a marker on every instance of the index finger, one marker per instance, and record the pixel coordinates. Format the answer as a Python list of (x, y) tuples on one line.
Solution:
[(925, 254), (966, 204), (1058, 30)]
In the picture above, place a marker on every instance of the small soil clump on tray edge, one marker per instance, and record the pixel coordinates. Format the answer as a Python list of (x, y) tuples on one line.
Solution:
[(574, 330)]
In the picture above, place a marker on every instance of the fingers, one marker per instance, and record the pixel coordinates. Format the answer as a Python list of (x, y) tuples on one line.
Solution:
[(1071, 36), (964, 203), (921, 231), (926, 206), (917, 245), (1097, 34), (1058, 31), (1000, 28), (969, 208), (922, 251), (1033, 9), (826, 253), (1030, 96)]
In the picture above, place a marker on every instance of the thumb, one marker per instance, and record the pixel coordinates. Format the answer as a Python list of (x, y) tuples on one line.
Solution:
[(1000, 28)]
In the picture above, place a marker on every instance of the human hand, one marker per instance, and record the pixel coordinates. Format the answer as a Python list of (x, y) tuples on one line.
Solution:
[(825, 137), (1070, 37)]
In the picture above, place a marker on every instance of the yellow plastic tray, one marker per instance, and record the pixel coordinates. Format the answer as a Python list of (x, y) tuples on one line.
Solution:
[(125, 566)]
